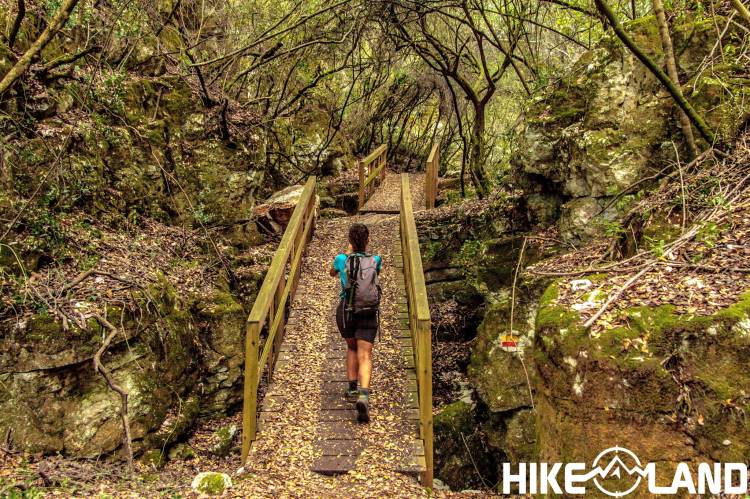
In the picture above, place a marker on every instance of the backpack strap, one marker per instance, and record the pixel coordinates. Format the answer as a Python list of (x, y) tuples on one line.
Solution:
[(351, 278)]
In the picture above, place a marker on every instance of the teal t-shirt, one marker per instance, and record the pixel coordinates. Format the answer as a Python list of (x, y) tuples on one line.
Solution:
[(339, 264)]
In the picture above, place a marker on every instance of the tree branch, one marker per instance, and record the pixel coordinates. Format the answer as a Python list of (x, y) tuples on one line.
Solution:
[(58, 21)]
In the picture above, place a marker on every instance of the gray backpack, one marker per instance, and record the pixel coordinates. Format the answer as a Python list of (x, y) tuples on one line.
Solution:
[(362, 284)]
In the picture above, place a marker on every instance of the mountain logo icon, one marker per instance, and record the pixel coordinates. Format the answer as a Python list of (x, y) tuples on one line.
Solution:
[(623, 464)]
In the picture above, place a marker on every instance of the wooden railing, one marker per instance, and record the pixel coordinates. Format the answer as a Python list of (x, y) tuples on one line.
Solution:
[(269, 309), (419, 322), (371, 172), (432, 171)]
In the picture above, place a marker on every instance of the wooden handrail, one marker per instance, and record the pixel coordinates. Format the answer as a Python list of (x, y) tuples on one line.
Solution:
[(277, 290), (432, 170), (419, 322), (370, 169)]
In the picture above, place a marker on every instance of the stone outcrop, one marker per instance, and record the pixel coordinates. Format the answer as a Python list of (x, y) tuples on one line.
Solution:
[(179, 357), (680, 397), (607, 123)]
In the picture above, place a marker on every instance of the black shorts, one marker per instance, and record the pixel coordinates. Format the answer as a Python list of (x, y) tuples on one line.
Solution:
[(362, 327)]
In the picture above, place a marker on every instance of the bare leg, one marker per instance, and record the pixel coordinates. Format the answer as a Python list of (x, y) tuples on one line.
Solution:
[(352, 365), (364, 358)]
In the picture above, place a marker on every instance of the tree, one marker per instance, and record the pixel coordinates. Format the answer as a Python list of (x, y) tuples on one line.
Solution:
[(671, 63), (455, 40)]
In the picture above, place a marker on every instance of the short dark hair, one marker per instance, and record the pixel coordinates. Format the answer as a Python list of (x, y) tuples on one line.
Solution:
[(359, 234)]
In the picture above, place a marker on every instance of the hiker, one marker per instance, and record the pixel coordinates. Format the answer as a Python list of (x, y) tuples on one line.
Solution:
[(357, 314)]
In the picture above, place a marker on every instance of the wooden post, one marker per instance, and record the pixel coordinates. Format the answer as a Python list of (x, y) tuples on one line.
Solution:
[(432, 170), (424, 334), (361, 169), (250, 394)]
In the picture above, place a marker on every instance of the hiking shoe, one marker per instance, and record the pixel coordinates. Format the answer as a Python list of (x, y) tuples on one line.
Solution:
[(351, 395), (363, 408)]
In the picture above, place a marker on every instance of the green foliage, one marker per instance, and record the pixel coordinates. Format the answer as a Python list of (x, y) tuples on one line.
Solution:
[(612, 229), (708, 233), (656, 246), (471, 252)]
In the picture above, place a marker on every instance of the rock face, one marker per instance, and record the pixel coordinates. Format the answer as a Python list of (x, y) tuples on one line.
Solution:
[(174, 170), (677, 398), (608, 122), (51, 400), (470, 254)]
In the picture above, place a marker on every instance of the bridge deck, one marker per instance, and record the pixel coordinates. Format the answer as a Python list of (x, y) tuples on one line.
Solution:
[(386, 198), (305, 423)]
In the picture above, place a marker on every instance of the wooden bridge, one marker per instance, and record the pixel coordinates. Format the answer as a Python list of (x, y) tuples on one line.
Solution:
[(295, 357)]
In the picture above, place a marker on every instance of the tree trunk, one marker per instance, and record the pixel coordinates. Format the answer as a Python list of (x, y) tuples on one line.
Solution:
[(58, 21), (701, 125), (669, 58), (20, 14), (476, 151)]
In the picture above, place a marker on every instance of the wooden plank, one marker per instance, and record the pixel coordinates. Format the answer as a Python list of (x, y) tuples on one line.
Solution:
[(333, 402), (374, 154), (402, 333), (338, 430), (413, 415), (366, 211), (333, 387), (411, 385), (336, 375), (411, 400), (408, 361), (334, 465), (405, 341), (338, 414), (412, 466), (340, 447), (417, 447)]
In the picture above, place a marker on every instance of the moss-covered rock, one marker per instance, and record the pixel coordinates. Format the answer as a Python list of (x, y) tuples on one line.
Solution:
[(52, 400), (211, 483), (181, 452), (669, 387), (223, 439), (458, 445), (607, 121)]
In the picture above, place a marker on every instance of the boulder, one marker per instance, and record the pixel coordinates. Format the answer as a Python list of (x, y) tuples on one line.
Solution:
[(223, 438), (274, 214), (211, 483)]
